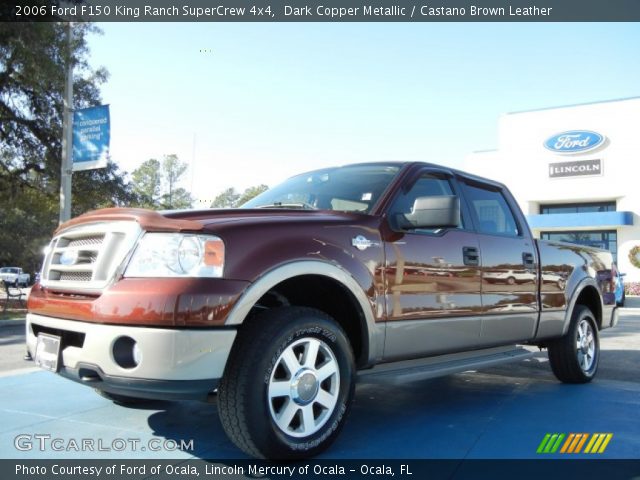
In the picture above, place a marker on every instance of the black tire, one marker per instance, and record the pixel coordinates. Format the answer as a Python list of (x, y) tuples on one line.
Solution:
[(511, 281), (122, 399), (574, 358), (252, 411)]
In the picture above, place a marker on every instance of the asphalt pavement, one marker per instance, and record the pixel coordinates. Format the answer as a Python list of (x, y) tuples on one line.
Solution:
[(498, 413)]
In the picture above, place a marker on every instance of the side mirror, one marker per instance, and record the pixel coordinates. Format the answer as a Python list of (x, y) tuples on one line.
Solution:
[(439, 211)]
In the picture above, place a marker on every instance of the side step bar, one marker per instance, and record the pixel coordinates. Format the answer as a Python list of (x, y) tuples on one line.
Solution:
[(423, 368)]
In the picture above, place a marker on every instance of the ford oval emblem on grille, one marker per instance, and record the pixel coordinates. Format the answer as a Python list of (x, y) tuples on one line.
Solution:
[(69, 257), (574, 141)]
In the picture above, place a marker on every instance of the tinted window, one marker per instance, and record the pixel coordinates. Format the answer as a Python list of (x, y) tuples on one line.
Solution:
[(427, 185), (492, 212), (578, 208)]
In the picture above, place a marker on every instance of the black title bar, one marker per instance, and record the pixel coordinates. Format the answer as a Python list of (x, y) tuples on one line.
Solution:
[(323, 11)]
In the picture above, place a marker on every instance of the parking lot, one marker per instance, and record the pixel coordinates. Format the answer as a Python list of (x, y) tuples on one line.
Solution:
[(498, 413)]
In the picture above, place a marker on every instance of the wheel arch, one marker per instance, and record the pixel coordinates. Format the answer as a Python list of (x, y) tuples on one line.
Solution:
[(335, 292), (587, 294)]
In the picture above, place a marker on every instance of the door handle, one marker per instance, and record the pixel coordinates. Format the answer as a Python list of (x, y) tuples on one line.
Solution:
[(470, 256), (528, 260)]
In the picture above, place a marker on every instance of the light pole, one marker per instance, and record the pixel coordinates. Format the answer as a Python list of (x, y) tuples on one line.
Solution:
[(67, 131)]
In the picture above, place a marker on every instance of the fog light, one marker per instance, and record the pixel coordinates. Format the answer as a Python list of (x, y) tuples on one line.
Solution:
[(124, 352)]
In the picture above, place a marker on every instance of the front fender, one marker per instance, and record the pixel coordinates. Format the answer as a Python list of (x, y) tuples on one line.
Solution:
[(374, 332)]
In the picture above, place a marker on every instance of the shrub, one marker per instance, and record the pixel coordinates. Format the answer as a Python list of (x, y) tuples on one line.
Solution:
[(632, 288)]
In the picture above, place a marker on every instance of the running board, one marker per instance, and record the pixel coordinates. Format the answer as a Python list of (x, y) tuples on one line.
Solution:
[(423, 368)]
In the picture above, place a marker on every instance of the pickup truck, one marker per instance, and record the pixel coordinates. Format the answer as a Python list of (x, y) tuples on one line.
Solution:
[(378, 272), (14, 276)]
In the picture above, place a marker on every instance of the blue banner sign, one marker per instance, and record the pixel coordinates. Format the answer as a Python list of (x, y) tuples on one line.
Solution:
[(91, 136), (574, 141)]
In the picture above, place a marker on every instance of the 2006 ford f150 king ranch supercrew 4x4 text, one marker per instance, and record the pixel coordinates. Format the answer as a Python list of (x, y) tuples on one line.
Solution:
[(371, 272)]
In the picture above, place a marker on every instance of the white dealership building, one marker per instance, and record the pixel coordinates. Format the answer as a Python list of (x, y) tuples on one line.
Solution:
[(575, 171)]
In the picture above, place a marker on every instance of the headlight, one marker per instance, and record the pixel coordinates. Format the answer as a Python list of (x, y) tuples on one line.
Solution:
[(177, 255)]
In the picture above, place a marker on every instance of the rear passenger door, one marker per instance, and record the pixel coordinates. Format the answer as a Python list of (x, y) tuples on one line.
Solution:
[(509, 265)]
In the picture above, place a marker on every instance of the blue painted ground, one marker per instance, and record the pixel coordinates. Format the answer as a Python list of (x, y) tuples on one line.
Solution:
[(500, 413)]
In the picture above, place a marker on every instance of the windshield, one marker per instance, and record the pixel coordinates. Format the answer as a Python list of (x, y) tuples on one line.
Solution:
[(354, 188)]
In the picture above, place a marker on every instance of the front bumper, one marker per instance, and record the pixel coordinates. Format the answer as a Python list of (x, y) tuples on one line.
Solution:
[(176, 363)]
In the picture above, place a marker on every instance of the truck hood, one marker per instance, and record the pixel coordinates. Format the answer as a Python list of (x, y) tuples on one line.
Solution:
[(198, 220)]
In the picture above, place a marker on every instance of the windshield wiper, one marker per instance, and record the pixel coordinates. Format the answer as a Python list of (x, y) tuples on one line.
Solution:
[(296, 205)]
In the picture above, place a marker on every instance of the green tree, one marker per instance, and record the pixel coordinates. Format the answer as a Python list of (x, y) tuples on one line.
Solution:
[(227, 199), (147, 180), (33, 61), (172, 171), (251, 192), (155, 184), (33, 65), (179, 199), (100, 188), (230, 198)]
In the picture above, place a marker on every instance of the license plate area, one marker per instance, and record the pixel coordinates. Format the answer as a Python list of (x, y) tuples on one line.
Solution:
[(48, 352)]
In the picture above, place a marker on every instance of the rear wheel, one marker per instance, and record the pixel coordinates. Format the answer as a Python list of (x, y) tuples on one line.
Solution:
[(288, 384), (574, 357)]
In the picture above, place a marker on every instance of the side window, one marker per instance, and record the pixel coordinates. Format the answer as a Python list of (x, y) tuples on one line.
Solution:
[(426, 186), (492, 211)]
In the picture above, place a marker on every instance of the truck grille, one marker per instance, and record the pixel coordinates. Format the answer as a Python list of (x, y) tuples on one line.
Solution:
[(75, 276), (86, 258)]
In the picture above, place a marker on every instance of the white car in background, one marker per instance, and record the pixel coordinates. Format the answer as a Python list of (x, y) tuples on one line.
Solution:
[(14, 276), (509, 277)]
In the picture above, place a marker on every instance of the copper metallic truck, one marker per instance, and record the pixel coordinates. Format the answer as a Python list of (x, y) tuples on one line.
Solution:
[(379, 272)]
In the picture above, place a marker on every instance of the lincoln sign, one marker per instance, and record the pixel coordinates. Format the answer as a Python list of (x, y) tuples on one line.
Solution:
[(579, 168)]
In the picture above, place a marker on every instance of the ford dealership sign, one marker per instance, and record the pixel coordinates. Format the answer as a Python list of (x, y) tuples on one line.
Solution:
[(574, 141)]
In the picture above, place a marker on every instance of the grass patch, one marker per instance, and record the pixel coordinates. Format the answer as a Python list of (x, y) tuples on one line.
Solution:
[(13, 314)]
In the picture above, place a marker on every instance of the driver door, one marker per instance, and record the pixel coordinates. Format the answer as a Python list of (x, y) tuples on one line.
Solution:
[(432, 279)]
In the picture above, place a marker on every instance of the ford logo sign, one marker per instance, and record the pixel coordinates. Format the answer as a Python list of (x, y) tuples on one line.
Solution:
[(69, 257), (574, 141)]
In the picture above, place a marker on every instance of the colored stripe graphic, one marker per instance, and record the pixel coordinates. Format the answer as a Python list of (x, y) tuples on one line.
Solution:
[(543, 443), (574, 443), (556, 445), (598, 443), (581, 443), (570, 438), (577, 441), (550, 443)]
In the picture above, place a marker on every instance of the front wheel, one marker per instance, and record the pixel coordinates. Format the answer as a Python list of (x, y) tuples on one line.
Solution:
[(288, 384), (574, 357)]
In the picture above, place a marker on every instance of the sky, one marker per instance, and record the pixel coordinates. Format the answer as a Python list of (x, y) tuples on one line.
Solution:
[(251, 103)]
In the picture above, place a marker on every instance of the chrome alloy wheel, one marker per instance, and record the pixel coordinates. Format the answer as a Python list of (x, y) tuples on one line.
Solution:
[(303, 388), (585, 345)]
